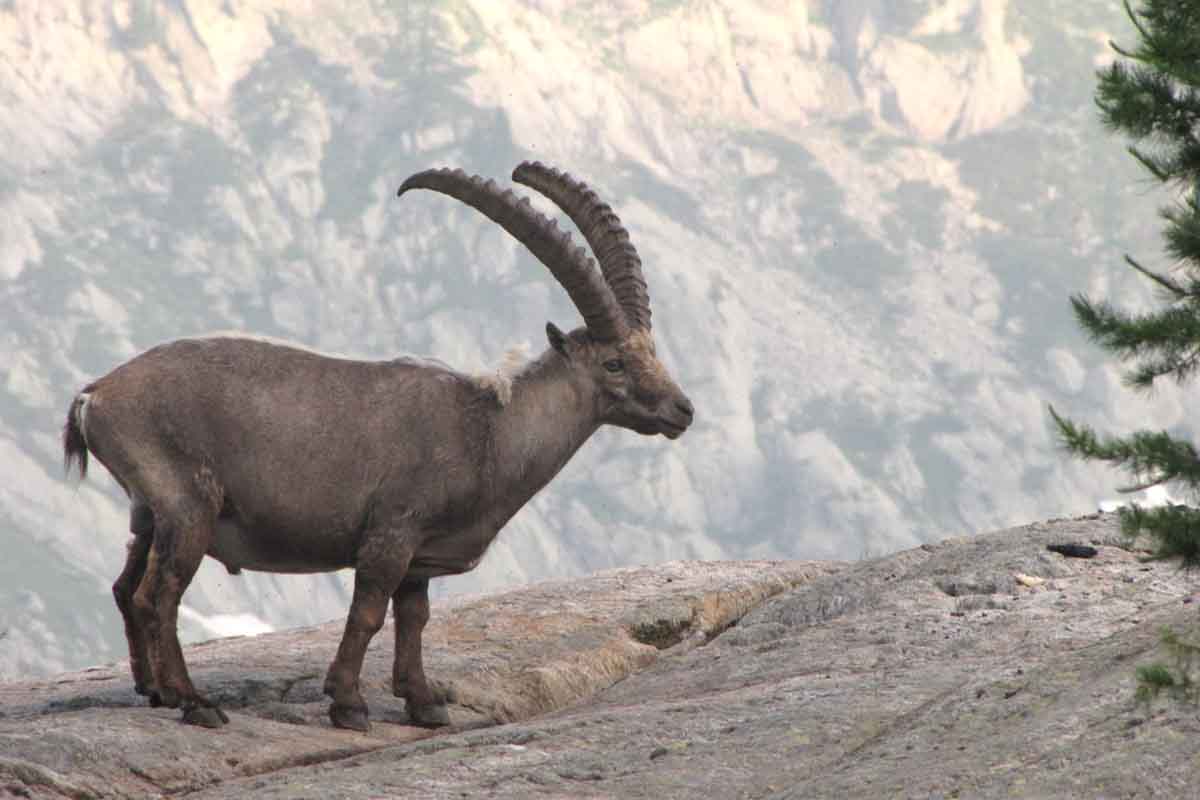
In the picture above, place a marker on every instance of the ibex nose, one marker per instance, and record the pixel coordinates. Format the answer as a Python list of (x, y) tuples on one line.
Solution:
[(685, 407)]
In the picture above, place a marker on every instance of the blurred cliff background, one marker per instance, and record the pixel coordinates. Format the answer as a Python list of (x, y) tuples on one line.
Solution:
[(860, 219)]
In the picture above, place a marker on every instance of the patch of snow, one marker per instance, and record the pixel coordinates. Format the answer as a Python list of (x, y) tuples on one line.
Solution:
[(222, 625), (1153, 497)]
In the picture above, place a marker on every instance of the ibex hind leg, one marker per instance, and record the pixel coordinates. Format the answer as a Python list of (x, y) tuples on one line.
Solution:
[(141, 525), (183, 530)]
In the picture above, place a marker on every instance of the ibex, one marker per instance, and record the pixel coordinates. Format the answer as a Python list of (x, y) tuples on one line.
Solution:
[(275, 458)]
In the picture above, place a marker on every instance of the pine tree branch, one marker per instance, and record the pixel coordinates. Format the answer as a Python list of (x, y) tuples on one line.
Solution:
[(1166, 342), (1173, 289), (1183, 233), (1155, 98), (1122, 52), (1174, 529), (1143, 376), (1149, 163), (1129, 12), (1165, 43), (1150, 457)]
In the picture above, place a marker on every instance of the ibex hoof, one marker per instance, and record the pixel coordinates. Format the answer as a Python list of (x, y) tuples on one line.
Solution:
[(429, 716), (354, 719), (205, 716)]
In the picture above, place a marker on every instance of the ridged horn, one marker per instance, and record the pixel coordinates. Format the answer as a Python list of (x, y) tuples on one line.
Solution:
[(569, 263), (602, 228)]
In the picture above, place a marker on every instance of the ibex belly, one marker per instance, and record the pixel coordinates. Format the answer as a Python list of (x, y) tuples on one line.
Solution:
[(451, 552), (238, 548)]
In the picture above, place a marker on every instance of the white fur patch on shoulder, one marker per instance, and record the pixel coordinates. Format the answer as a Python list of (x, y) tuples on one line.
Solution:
[(499, 381)]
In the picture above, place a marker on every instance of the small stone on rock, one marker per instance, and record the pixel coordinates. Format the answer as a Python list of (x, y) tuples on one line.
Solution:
[(1073, 550)]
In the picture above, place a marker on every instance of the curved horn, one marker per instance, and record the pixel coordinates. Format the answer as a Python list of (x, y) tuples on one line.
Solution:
[(602, 229), (570, 265)]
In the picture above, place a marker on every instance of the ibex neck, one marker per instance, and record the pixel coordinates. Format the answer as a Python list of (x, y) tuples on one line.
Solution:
[(546, 420)]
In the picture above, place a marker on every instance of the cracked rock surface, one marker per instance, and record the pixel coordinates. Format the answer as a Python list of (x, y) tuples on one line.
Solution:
[(977, 667)]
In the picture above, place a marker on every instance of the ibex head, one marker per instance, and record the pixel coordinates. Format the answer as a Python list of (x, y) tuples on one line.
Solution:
[(631, 386), (613, 354)]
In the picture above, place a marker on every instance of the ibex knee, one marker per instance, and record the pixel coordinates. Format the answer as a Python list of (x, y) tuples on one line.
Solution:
[(368, 619)]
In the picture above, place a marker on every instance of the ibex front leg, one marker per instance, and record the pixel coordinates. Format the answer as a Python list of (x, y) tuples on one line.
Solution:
[(410, 610), (382, 561)]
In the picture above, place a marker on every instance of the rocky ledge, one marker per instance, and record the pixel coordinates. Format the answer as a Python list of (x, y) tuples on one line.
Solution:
[(988, 666)]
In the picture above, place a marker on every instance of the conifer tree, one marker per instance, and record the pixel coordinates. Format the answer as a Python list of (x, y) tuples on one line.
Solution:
[(1151, 94)]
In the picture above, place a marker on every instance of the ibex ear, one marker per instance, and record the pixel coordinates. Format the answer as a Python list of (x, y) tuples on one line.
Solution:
[(558, 339)]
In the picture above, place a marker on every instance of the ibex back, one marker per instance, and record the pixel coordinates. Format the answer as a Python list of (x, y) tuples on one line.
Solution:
[(274, 458)]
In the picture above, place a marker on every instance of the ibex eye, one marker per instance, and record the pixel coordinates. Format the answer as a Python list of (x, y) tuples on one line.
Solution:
[(614, 365)]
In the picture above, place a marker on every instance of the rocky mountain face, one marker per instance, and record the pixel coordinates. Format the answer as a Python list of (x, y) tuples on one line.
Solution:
[(860, 221), (983, 667)]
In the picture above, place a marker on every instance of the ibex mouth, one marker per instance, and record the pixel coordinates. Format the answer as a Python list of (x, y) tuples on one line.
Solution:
[(683, 411), (671, 430)]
